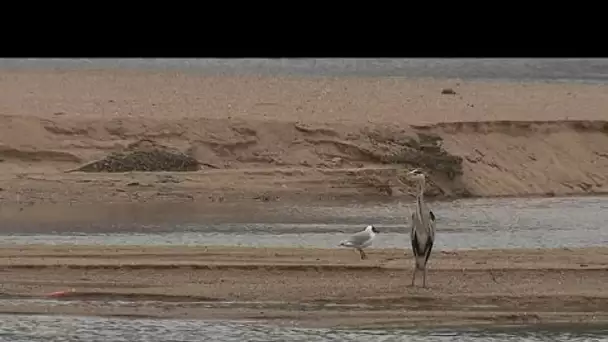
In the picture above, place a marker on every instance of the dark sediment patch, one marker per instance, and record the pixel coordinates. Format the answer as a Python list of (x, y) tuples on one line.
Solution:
[(150, 161)]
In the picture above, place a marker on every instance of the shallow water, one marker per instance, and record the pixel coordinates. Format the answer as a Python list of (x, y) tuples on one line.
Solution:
[(24, 328), (463, 224), (594, 70)]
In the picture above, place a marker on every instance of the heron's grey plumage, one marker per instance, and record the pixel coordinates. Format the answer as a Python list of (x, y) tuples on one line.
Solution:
[(423, 228), (361, 240)]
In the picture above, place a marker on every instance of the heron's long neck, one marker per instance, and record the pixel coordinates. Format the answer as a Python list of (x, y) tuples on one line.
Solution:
[(420, 197), (421, 190)]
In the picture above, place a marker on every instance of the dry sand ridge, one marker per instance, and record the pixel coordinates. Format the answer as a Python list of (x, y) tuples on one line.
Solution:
[(294, 139)]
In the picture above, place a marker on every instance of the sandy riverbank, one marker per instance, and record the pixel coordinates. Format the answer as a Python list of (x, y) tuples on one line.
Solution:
[(296, 139), (466, 287)]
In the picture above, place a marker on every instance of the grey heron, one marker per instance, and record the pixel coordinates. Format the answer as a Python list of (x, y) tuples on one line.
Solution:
[(423, 227), (361, 240)]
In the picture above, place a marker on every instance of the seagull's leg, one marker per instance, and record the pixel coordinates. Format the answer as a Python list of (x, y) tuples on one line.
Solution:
[(361, 253)]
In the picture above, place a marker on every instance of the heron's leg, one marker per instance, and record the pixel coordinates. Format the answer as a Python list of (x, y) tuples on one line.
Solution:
[(424, 278), (414, 277)]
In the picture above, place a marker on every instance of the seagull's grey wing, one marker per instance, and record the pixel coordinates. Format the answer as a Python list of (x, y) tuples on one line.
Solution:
[(359, 238)]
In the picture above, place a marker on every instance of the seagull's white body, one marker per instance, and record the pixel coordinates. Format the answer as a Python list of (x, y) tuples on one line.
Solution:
[(361, 240)]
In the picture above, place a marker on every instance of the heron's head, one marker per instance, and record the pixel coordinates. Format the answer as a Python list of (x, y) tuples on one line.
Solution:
[(373, 229), (416, 174)]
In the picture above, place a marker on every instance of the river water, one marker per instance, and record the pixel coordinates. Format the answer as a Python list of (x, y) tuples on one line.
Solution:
[(462, 224), (24, 328), (590, 70)]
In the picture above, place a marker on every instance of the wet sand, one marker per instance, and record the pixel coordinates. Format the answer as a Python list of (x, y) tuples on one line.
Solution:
[(316, 287)]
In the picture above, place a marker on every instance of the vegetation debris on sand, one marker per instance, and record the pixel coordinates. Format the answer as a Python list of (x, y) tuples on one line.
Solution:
[(151, 160), (427, 152)]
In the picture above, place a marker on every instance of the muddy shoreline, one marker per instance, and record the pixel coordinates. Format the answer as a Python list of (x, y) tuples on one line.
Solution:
[(316, 287)]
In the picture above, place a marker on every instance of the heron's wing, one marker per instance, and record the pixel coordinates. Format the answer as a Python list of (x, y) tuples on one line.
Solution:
[(432, 226), (413, 221), (423, 226)]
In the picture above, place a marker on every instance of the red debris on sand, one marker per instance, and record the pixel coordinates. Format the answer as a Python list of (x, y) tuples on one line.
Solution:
[(61, 293)]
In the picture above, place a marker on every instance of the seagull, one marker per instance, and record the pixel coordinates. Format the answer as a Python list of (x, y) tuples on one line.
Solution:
[(361, 240)]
